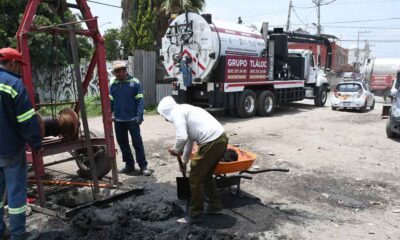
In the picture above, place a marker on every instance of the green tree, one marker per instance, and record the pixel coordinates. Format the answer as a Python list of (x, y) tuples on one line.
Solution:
[(142, 29), (162, 9), (112, 41), (180, 6), (45, 49)]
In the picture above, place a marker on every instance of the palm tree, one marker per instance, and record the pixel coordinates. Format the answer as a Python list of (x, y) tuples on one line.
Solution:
[(180, 6), (164, 9)]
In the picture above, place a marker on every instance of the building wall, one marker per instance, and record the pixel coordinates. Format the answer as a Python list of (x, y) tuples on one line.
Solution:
[(339, 54)]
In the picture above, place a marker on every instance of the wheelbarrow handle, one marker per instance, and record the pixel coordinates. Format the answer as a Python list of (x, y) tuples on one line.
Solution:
[(181, 166), (265, 170)]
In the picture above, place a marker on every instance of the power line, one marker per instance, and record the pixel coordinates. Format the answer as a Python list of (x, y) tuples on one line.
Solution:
[(366, 20), (363, 27), (105, 4), (372, 40), (304, 7), (365, 2), (295, 13), (262, 14)]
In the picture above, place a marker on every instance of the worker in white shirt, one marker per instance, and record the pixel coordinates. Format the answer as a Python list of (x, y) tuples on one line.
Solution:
[(195, 125)]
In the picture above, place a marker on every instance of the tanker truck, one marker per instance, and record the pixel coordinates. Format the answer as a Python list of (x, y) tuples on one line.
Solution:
[(380, 73), (226, 66)]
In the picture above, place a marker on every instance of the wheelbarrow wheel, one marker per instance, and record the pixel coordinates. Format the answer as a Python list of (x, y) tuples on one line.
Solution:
[(103, 165)]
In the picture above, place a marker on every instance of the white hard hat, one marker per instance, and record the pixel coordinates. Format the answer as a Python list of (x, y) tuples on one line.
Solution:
[(118, 64)]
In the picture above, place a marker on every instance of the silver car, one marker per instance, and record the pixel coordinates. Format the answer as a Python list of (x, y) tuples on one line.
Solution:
[(353, 95)]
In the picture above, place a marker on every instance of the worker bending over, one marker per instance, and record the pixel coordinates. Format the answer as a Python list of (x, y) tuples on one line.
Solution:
[(194, 124)]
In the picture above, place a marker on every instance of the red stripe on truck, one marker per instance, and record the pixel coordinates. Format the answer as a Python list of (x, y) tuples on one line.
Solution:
[(263, 83)]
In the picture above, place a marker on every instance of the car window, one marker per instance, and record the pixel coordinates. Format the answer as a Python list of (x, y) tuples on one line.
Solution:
[(349, 87)]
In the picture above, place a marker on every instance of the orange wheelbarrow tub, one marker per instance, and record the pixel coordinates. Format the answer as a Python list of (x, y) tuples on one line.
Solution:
[(227, 174), (244, 162)]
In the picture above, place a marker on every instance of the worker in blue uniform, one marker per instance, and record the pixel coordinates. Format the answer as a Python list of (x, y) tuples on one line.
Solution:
[(127, 105), (18, 126)]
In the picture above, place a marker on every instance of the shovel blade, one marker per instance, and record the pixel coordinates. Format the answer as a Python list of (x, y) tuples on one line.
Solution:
[(183, 188)]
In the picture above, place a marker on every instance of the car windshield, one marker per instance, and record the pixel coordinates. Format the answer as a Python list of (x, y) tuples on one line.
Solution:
[(349, 87)]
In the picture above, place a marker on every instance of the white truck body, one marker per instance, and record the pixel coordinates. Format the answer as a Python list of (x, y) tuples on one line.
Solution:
[(225, 59)]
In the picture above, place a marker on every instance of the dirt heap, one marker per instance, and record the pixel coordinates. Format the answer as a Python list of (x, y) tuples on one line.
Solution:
[(152, 215)]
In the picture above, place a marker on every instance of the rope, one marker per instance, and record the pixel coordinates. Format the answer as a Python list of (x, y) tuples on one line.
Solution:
[(51, 126)]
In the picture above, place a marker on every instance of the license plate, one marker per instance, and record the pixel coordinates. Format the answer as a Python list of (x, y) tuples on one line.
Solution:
[(346, 104), (174, 92)]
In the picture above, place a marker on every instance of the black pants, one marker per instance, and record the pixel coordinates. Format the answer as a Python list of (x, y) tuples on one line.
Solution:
[(121, 132)]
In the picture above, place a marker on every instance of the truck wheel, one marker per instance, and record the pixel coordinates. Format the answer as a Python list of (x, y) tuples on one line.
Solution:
[(266, 104), (103, 165), (373, 105), (321, 97), (247, 104), (389, 132)]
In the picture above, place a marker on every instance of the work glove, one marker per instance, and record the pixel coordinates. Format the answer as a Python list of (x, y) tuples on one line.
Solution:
[(173, 153)]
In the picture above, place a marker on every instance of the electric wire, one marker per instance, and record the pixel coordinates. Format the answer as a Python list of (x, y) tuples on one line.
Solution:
[(104, 4), (365, 20)]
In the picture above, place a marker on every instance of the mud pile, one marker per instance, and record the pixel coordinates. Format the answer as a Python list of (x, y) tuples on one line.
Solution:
[(152, 215)]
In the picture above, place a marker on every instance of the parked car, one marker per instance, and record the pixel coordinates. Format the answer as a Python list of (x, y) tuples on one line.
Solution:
[(353, 95), (393, 123)]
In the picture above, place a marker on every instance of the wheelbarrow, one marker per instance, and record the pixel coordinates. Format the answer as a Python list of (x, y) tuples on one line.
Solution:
[(226, 174)]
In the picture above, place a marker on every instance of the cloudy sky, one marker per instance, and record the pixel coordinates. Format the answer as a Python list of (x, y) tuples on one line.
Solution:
[(377, 21)]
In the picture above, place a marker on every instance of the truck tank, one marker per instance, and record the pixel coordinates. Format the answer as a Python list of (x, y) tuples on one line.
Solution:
[(380, 73), (202, 42)]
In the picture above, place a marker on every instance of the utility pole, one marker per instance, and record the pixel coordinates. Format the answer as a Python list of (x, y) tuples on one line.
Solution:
[(318, 4), (288, 18), (358, 48), (319, 17)]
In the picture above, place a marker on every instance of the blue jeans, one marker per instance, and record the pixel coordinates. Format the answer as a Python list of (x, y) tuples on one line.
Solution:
[(13, 175), (121, 132)]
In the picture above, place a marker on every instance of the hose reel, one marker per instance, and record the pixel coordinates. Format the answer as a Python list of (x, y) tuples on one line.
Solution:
[(66, 124)]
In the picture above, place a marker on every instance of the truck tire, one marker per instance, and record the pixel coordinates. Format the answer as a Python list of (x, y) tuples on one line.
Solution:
[(247, 104), (389, 132), (103, 165), (321, 97), (266, 103)]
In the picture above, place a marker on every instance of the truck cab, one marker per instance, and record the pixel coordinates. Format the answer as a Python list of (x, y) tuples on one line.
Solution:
[(308, 67)]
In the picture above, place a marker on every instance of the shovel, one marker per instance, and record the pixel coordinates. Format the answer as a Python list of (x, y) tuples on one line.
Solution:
[(182, 183)]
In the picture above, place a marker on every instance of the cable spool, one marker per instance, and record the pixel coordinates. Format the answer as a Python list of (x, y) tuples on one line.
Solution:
[(66, 125), (51, 126), (69, 123)]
